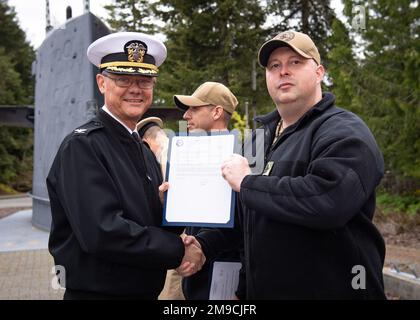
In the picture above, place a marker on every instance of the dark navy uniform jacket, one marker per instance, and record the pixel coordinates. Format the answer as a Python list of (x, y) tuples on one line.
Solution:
[(307, 221), (106, 214)]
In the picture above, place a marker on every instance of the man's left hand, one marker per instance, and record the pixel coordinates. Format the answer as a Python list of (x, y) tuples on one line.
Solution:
[(162, 189)]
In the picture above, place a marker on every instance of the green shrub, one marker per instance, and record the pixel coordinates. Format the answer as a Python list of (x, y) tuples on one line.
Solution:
[(390, 203)]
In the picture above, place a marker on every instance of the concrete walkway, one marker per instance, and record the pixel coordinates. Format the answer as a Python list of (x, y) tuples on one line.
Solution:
[(27, 275), (15, 201), (25, 263), (17, 233)]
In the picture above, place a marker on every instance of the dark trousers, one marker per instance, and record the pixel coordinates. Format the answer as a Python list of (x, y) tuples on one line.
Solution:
[(70, 294)]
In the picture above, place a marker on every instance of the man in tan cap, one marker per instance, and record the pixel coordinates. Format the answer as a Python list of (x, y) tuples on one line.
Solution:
[(307, 218), (209, 108)]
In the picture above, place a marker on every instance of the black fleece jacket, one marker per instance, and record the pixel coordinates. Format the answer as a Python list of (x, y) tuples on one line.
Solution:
[(307, 223)]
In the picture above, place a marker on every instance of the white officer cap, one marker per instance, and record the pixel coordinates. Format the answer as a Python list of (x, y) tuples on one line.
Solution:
[(131, 53)]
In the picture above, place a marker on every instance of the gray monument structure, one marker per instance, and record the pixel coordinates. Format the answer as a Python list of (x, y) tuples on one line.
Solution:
[(66, 96)]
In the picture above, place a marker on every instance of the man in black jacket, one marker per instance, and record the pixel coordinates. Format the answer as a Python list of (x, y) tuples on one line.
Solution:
[(307, 218), (103, 185)]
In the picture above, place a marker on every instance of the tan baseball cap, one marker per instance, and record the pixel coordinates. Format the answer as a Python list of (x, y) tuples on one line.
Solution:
[(213, 93), (298, 41)]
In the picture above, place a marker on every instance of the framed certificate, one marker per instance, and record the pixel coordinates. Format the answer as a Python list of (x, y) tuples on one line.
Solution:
[(198, 195)]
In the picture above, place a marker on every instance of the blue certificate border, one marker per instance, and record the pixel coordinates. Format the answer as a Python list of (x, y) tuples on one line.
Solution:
[(230, 223)]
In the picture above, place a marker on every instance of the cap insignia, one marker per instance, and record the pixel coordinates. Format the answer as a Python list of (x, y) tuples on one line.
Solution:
[(286, 36), (135, 51)]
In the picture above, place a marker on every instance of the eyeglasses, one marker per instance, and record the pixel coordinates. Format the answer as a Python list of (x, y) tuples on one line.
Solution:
[(128, 82)]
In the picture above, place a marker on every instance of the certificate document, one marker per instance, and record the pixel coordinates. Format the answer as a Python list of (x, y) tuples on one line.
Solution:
[(198, 195), (224, 280)]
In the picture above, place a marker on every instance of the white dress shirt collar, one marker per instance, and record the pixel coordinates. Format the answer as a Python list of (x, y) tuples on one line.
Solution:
[(105, 108)]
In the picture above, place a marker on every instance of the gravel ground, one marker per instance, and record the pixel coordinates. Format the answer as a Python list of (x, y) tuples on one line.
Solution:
[(402, 238)]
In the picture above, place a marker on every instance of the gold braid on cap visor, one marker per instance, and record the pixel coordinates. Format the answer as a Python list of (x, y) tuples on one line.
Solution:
[(128, 64)]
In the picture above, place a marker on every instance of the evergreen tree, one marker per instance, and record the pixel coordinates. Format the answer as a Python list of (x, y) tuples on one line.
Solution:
[(343, 68), (313, 17), (388, 83), (20, 52), (211, 41), (131, 15), (16, 87), (11, 91)]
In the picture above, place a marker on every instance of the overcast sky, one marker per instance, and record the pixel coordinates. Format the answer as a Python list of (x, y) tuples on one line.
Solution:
[(31, 14)]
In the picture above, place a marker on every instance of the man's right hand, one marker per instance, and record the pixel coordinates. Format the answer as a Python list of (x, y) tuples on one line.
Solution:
[(234, 170), (194, 258)]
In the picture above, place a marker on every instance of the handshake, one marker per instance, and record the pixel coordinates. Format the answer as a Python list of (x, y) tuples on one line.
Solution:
[(193, 259)]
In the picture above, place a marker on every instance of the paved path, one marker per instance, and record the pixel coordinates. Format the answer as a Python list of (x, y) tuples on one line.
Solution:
[(18, 233), (10, 202), (27, 274), (25, 263)]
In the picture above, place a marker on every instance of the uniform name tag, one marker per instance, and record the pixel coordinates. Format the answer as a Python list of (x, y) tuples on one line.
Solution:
[(268, 168)]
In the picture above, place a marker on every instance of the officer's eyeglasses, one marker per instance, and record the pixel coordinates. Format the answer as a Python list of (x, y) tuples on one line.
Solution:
[(128, 82)]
